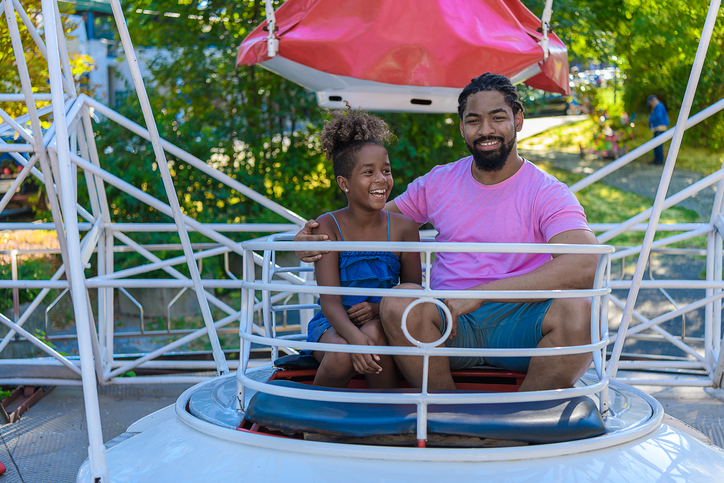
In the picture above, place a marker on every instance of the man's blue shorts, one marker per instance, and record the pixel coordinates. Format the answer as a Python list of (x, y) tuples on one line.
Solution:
[(498, 325)]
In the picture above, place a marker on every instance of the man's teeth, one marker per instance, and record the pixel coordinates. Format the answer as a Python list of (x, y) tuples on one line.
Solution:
[(488, 143)]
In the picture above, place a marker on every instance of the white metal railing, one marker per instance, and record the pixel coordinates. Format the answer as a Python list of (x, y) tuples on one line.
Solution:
[(599, 332)]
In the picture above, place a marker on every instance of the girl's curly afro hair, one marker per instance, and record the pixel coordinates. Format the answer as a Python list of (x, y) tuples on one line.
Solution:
[(346, 133)]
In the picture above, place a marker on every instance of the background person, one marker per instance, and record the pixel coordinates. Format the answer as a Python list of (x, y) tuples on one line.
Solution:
[(658, 123)]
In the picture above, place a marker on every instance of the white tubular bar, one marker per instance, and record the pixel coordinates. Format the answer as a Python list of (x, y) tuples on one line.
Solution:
[(423, 350), (41, 46), (36, 113), (16, 148), (219, 227), (545, 26), (183, 340), (155, 203), (157, 263), (21, 98), (197, 163), (174, 273), (644, 148), (422, 398), (664, 184), (68, 81), (450, 294), (667, 203), (222, 367), (650, 284), (96, 451), (86, 243), (451, 247), (29, 311), (272, 42), (17, 127), (16, 182), (414, 398), (39, 344), (662, 243)]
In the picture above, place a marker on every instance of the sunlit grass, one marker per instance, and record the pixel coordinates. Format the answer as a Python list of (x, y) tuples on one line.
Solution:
[(606, 204), (571, 137)]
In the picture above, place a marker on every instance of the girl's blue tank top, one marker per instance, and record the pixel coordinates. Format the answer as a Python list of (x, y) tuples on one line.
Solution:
[(364, 270)]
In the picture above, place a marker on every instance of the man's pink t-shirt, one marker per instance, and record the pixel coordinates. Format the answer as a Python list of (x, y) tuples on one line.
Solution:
[(529, 207)]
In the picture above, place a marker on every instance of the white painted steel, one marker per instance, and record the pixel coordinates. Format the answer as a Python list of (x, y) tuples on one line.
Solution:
[(96, 450), (422, 398), (645, 148), (222, 367), (647, 451), (272, 42), (197, 163), (664, 184)]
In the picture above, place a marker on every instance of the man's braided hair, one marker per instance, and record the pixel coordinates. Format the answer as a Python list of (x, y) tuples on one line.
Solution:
[(346, 133), (491, 82)]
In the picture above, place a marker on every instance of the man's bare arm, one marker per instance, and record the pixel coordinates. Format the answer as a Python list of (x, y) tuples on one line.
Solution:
[(563, 272), (392, 208)]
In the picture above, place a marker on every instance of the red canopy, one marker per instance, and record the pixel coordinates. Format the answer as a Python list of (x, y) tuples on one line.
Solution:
[(424, 44)]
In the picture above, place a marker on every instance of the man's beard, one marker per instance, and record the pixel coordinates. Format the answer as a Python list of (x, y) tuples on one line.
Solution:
[(491, 160)]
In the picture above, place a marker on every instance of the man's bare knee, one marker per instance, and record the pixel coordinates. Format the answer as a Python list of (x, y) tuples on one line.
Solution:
[(570, 320), (392, 308)]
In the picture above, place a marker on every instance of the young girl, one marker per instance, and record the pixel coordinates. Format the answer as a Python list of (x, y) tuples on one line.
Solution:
[(354, 143)]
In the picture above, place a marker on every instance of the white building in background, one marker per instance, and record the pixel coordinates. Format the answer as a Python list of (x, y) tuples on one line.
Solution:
[(95, 36)]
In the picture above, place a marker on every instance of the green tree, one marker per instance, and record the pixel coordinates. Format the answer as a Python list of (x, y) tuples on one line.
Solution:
[(36, 63), (247, 122)]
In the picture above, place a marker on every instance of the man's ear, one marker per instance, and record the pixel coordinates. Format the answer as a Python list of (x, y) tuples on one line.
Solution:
[(343, 183), (518, 121), (462, 131)]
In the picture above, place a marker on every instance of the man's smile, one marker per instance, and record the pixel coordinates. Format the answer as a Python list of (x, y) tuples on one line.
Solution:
[(488, 144)]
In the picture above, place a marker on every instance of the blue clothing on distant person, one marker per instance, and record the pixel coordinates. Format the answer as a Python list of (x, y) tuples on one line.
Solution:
[(659, 119), (359, 269), (658, 123)]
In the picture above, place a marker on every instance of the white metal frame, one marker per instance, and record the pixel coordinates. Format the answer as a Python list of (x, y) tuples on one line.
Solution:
[(55, 156), (599, 332)]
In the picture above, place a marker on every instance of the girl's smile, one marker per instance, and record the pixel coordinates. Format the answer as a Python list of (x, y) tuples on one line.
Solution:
[(371, 181)]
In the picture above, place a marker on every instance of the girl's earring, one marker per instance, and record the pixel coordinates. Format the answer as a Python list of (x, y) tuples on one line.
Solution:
[(346, 190)]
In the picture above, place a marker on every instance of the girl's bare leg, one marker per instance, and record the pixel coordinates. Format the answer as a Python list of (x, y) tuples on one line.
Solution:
[(335, 368), (387, 378)]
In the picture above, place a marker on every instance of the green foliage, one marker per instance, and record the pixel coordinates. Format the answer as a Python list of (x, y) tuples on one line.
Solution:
[(263, 130), (43, 337), (250, 124), (29, 269), (661, 41), (36, 63)]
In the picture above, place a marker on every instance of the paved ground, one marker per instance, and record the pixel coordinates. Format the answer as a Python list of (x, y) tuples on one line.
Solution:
[(50, 441)]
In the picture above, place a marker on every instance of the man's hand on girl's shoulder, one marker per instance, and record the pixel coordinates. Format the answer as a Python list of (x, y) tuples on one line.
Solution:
[(307, 234)]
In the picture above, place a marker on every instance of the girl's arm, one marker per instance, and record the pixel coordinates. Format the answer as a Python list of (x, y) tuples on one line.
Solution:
[(411, 269), (327, 273)]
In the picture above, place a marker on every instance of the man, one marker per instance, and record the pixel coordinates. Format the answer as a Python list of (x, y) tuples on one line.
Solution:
[(658, 123), (495, 196)]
